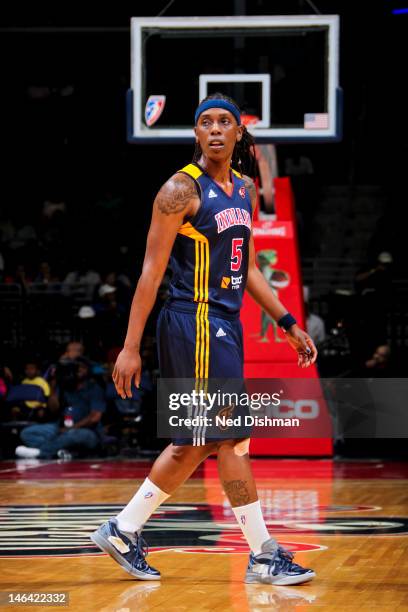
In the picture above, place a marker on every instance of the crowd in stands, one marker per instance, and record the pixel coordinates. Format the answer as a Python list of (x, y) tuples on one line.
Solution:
[(52, 242), (364, 334), (61, 402), (70, 407)]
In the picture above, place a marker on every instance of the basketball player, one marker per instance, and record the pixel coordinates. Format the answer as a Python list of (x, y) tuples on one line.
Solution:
[(207, 248)]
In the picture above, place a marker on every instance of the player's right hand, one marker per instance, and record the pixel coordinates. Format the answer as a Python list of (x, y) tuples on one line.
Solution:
[(128, 365)]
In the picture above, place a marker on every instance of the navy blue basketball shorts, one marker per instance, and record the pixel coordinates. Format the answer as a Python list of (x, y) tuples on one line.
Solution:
[(199, 345)]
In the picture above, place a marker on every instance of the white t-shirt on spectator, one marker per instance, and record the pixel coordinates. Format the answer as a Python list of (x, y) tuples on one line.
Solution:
[(315, 328), (89, 278)]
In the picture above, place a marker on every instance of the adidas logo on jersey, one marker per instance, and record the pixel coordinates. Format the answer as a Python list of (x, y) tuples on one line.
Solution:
[(212, 194), (220, 333)]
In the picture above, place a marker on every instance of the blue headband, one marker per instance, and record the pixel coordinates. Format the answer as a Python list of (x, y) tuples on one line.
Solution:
[(218, 103)]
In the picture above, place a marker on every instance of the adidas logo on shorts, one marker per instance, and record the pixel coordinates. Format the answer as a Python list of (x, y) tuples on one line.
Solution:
[(220, 333)]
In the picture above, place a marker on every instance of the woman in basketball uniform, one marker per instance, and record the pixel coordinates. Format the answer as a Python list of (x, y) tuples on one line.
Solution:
[(201, 220)]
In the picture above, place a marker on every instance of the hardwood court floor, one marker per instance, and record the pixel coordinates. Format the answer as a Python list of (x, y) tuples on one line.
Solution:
[(348, 521)]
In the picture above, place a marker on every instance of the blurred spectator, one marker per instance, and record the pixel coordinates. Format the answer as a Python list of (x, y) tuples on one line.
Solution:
[(76, 349), (121, 283), (314, 324), (23, 236), (35, 409), (45, 274), (381, 363), (52, 206), (86, 328), (83, 275), (86, 312), (380, 360), (54, 228), (7, 228), (33, 377), (107, 294), (73, 351), (78, 403), (6, 379), (19, 277)]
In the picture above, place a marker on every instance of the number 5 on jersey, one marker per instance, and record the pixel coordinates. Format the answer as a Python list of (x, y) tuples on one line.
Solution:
[(236, 254)]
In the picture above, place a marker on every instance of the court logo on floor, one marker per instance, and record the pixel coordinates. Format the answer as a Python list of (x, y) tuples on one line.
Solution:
[(63, 530)]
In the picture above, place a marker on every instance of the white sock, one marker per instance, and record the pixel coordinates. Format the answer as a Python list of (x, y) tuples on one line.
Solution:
[(141, 507), (252, 524)]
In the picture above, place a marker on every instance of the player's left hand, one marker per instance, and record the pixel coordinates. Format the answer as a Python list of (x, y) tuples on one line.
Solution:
[(302, 343)]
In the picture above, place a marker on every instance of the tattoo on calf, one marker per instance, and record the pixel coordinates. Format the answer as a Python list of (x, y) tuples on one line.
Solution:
[(176, 194), (237, 492)]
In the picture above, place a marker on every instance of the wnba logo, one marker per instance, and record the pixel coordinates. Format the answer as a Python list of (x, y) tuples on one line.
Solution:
[(154, 108), (243, 519)]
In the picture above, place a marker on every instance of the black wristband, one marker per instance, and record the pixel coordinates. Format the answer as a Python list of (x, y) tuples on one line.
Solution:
[(286, 321)]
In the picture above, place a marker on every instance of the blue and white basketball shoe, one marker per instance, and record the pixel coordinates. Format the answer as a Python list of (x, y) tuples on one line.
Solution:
[(129, 552), (274, 566)]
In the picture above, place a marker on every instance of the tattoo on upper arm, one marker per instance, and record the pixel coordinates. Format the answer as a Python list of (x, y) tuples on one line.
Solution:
[(176, 194), (237, 492)]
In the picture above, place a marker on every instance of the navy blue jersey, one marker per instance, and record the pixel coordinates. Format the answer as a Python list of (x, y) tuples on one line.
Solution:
[(209, 259)]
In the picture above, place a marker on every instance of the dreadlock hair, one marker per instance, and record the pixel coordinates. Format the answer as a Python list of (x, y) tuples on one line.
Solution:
[(243, 155)]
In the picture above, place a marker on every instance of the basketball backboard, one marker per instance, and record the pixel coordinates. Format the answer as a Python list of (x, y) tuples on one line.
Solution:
[(281, 70)]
